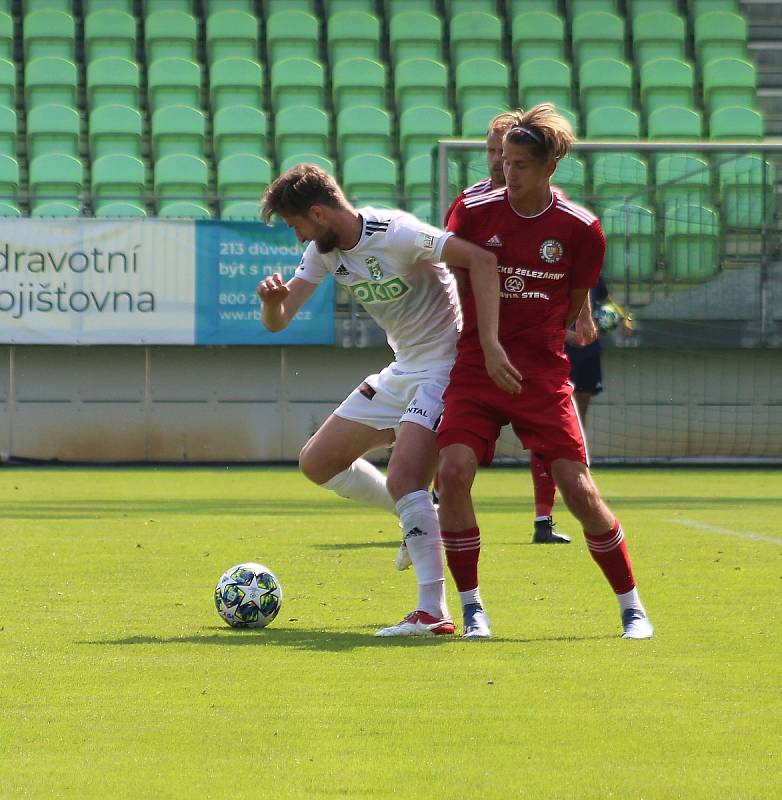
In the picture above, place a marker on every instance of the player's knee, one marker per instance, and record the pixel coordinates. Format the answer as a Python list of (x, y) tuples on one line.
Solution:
[(580, 494), (311, 465), (455, 474)]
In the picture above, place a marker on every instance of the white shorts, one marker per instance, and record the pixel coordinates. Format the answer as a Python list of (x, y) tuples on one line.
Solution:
[(395, 396)]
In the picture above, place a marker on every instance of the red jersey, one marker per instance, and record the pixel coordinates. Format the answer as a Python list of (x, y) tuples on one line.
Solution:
[(540, 260)]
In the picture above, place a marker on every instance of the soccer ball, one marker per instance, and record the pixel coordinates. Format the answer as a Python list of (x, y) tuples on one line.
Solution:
[(607, 317), (248, 596)]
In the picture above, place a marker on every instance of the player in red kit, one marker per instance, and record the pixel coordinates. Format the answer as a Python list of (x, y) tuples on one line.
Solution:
[(549, 254)]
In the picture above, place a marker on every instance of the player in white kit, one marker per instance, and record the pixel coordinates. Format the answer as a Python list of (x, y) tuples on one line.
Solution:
[(391, 263)]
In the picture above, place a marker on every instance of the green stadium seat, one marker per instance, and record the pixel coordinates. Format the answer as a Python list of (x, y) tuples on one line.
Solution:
[(394, 7), (419, 179), (121, 209), (49, 34), (577, 7), (178, 129), (613, 124), (370, 179), (598, 35), (116, 178), (115, 129), (619, 177), (424, 212), (691, 237), (747, 191), (545, 80), (674, 124), (637, 7), (415, 34), (605, 82), (271, 7), (8, 210), (420, 127), (113, 81), (50, 80), (235, 82), (697, 8), (358, 82), (353, 34), (55, 209), (66, 6), (109, 34), (152, 6), (363, 129), (720, 34), (9, 180), (216, 6), (682, 179), (630, 243), (91, 6), (475, 121), (6, 36), (301, 129), (421, 82), (180, 177), (570, 177), (308, 158), (242, 177), (454, 7), (538, 34), (515, 7), (184, 209), (240, 129), (292, 34), (231, 34), (55, 177), (8, 131), (667, 82), (7, 83), (475, 34), (298, 81), (170, 34), (571, 117), (737, 124), (248, 210), (53, 129), (729, 82), (172, 82), (480, 81), (332, 7), (658, 34)]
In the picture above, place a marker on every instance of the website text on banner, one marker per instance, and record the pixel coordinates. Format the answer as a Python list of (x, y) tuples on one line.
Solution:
[(147, 282)]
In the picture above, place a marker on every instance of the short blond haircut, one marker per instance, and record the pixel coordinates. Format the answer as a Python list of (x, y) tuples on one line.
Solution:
[(504, 121), (545, 130)]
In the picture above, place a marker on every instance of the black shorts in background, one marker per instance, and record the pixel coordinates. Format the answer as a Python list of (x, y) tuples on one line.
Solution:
[(585, 372)]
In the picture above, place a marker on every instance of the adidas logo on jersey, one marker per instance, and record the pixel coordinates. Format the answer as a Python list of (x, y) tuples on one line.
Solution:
[(494, 241), (341, 271)]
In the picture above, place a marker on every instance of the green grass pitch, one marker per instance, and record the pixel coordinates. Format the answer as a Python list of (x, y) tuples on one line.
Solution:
[(117, 678)]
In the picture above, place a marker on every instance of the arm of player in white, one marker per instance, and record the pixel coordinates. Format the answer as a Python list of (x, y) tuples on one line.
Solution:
[(280, 302), (482, 266)]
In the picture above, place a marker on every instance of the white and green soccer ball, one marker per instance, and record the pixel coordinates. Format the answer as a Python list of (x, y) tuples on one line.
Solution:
[(607, 317), (248, 596)]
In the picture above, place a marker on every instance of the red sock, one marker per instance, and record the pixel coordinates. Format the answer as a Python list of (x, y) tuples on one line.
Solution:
[(610, 551), (462, 551), (543, 484)]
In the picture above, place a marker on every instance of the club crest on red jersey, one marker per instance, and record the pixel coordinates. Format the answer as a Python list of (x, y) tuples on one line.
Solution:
[(551, 251)]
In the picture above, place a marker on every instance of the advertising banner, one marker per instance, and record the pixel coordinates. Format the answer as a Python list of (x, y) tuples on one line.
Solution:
[(148, 281)]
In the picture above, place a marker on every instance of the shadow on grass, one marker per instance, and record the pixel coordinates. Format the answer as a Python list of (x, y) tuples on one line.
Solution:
[(322, 640)]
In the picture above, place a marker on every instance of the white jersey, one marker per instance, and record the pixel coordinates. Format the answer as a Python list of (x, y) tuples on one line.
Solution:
[(393, 271)]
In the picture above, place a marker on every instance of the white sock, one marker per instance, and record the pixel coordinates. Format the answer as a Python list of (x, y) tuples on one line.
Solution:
[(425, 545), (630, 599), (542, 519), (471, 596), (364, 483)]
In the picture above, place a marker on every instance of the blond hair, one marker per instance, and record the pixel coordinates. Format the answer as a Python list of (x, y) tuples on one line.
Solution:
[(545, 130), (502, 122)]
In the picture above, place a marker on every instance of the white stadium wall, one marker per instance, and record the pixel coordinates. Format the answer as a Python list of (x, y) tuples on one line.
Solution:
[(201, 404)]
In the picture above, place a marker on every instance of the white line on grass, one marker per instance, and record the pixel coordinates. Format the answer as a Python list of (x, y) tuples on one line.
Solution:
[(701, 526)]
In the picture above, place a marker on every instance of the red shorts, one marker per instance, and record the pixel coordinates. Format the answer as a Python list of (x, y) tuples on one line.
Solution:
[(543, 416)]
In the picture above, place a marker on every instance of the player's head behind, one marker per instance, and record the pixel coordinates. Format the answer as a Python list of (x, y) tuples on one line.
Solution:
[(532, 148), (495, 133), (307, 198)]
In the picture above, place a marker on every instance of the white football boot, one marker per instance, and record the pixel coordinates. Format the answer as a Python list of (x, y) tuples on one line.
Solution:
[(636, 625), (419, 623)]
